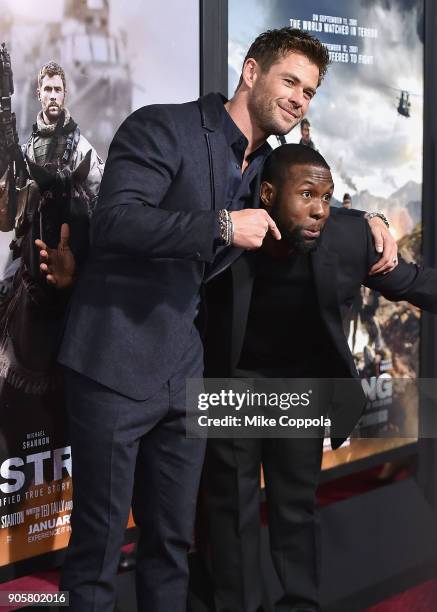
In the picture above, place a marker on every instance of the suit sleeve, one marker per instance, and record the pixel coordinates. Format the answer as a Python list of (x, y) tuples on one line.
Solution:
[(353, 212), (407, 282), (144, 159)]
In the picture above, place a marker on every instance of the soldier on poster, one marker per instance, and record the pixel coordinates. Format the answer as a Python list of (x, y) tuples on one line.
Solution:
[(53, 191), (347, 201), (48, 190), (305, 134)]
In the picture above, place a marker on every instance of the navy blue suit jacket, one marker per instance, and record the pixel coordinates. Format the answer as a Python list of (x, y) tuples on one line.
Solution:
[(132, 312)]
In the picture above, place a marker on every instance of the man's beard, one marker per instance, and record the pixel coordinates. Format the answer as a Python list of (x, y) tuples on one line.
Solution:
[(49, 112), (296, 241), (263, 111)]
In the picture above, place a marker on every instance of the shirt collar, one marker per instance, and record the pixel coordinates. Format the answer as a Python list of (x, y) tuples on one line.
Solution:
[(237, 140), (234, 136)]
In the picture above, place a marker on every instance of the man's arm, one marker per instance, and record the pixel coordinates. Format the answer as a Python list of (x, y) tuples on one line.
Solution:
[(144, 159), (383, 241), (407, 282), (95, 174)]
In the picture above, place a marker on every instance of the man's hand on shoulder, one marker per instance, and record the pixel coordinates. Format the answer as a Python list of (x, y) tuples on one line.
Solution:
[(385, 244), (251, 226), (58, 265)]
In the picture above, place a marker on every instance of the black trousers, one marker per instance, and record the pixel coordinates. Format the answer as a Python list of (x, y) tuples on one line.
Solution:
[(132, 452), (231, 497)]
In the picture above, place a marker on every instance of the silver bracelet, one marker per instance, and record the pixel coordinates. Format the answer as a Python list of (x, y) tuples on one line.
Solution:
[(226, 227), (231, 229), (383, 218)]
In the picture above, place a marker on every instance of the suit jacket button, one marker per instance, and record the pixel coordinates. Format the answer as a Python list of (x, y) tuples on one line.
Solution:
[(197, 255)]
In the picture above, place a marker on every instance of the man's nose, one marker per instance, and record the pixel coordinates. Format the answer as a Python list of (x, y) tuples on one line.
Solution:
[(296, 97), (317, 210)]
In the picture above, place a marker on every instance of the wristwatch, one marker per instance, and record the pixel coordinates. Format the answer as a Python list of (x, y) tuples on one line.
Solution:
[(383, 218)]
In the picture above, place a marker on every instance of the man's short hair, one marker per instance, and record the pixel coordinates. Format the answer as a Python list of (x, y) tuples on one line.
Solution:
[(347, 197), (278, 163), (304, 123), (272, 45), (51, 69)]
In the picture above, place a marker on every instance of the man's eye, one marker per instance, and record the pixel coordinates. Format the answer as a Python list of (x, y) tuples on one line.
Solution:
[(306, 194), (289, 81), (327, 197)]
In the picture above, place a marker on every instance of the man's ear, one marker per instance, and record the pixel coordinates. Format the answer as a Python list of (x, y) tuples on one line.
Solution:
[(267, 193), (249, 72), (38, 95)]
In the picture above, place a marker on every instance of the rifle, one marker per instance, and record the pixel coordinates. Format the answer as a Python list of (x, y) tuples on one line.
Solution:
[(8, 125), (11, 157)]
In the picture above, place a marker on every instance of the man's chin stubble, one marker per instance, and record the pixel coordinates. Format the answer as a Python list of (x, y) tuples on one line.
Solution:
[(264, 114), (298, 244)]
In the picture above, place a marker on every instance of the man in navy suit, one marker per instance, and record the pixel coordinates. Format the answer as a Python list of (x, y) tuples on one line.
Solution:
[(177, 204)]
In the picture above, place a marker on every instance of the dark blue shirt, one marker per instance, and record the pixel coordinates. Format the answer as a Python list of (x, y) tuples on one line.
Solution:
[(238, 192), (239, 183)]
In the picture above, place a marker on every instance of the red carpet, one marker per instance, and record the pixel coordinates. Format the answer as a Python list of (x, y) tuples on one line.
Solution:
[(43, 582), (422, 598)]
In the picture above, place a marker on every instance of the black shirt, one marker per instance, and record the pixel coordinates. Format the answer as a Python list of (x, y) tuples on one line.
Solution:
[(285, 335), (238, 184), (238, 191)]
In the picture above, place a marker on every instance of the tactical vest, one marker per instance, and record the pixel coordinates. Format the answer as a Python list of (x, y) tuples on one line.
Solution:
[(41, 147)]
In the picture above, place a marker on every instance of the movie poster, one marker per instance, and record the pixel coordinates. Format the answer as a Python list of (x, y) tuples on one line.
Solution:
[(117, 57), (367, 121)]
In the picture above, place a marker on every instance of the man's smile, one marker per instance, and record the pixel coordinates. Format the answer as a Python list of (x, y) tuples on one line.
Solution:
[(289, 111)]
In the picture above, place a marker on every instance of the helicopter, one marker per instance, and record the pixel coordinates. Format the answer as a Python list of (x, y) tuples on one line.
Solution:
[(404, 104)]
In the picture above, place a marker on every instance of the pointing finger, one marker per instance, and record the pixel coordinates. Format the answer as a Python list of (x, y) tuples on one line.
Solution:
[(274, 229), (65, 235)]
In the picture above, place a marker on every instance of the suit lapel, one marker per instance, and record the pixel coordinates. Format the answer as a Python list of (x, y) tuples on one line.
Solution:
[(348, 399), (216, 144), (242, 284), (211, 110), (324, 263)]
